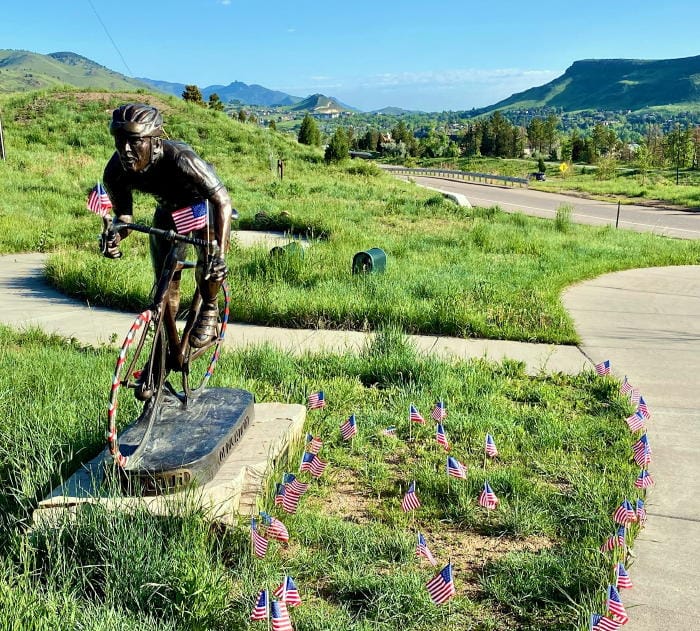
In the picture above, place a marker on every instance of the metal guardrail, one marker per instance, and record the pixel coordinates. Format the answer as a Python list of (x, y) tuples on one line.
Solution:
[(450, 174)]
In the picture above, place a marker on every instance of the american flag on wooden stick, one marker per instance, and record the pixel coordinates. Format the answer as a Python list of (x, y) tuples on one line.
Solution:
[(98, 201), (441, 588)]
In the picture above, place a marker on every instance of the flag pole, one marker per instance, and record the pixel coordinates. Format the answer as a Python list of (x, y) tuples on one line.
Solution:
[(410, 426)]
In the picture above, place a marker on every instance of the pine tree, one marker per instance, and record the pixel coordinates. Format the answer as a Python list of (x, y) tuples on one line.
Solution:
[(338, 148), (309, 133), (193, 94), (215, 102)]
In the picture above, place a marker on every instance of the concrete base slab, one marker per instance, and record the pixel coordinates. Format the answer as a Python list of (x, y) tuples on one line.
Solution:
[(232, 492)]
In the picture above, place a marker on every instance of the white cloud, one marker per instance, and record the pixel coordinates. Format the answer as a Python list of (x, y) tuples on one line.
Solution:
[(461, 88), (458, 77)]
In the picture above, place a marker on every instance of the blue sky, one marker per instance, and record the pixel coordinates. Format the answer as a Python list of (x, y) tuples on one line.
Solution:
[(429, 55)]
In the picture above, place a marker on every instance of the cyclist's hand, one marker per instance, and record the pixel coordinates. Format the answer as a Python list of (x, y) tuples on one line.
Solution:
[(109, 244), (216, 269)]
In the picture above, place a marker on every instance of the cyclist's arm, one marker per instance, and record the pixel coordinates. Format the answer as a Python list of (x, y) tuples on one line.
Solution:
[(221, 203)]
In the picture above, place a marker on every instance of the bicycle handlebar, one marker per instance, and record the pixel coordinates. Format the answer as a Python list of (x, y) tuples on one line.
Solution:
[(168, 235)]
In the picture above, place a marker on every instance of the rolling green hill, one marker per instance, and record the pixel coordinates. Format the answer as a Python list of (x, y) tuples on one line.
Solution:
[(21, 70), (615, 84)]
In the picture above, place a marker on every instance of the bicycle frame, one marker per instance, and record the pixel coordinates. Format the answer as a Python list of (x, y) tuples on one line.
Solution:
[(177, 354)]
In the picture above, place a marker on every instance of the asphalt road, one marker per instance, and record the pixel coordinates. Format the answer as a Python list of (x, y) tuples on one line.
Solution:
[(668, 222)]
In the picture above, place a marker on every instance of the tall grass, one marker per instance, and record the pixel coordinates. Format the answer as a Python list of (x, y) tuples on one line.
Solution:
[(563, 468)]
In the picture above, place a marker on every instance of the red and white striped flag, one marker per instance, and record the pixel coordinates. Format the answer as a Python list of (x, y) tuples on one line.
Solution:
[(442, 587), (410, 500), (259, 542), (98, 201)]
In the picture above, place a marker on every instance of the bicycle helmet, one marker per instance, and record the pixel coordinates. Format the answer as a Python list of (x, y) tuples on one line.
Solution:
[(137, 119)]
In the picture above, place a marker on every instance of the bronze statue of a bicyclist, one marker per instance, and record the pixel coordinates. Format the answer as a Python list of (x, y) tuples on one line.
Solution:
[(177, 177)]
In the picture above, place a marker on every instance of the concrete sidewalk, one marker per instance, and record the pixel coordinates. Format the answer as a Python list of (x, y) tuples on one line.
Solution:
[(647, 323), (29, 301)]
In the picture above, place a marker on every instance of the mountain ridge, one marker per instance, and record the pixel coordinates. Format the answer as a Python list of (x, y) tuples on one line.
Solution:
[(614, 84)]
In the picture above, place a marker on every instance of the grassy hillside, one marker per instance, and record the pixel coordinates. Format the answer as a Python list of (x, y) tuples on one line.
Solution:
[(465, 272), (23, 70), (615, 84)]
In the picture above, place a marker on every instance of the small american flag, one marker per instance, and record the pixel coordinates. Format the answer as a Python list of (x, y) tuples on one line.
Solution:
[(439, 412), (349, 428), (275, 528), (259, 542), (626, 387), (641, 513), (603, 623), (441, 588), (635, 422), (288, 593), (622, 578), (191, 218), (615, 541), (642, 451), (313, 464), (455, 468), (490, 446), (615, 606), (644, 480), (293, 486), (624, 514), (487, 498), (316, 400), (313, 444), (279, 494), (389, 431), (603, 368), (414, 415), (643, 408), (441, 437), (280, 617), (293, 490), (422, 550), (410, 500), (98, 201), (635, 396), (261, 609)]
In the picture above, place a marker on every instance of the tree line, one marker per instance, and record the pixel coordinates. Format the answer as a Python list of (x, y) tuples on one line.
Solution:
[(495, 136)]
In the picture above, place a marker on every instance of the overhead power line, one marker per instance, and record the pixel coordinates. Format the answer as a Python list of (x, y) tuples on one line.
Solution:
[(104, 26)]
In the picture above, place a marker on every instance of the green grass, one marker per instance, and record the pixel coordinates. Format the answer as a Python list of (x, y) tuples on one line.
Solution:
[(462, 272), (563, 468)]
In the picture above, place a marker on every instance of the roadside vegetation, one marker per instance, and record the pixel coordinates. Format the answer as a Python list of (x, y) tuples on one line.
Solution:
[(533, 563)]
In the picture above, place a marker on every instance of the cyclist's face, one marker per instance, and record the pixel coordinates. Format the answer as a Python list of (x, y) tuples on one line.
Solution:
[(134, 152)]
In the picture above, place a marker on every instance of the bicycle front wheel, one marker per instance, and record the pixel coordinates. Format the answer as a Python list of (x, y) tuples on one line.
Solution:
[(140, 372)]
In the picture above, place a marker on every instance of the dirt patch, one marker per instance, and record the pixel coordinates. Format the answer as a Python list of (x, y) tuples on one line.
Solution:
[(348, 503), (108, 97)]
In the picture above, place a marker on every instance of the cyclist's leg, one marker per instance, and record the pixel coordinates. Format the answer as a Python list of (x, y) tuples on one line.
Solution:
[(205, 329), (159, 252)]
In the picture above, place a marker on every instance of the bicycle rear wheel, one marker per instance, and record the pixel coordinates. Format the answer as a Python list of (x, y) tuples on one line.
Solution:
[(199, 363), (140, 371)]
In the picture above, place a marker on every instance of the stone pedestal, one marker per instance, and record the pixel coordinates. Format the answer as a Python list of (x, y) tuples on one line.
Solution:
[(232, 491)]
